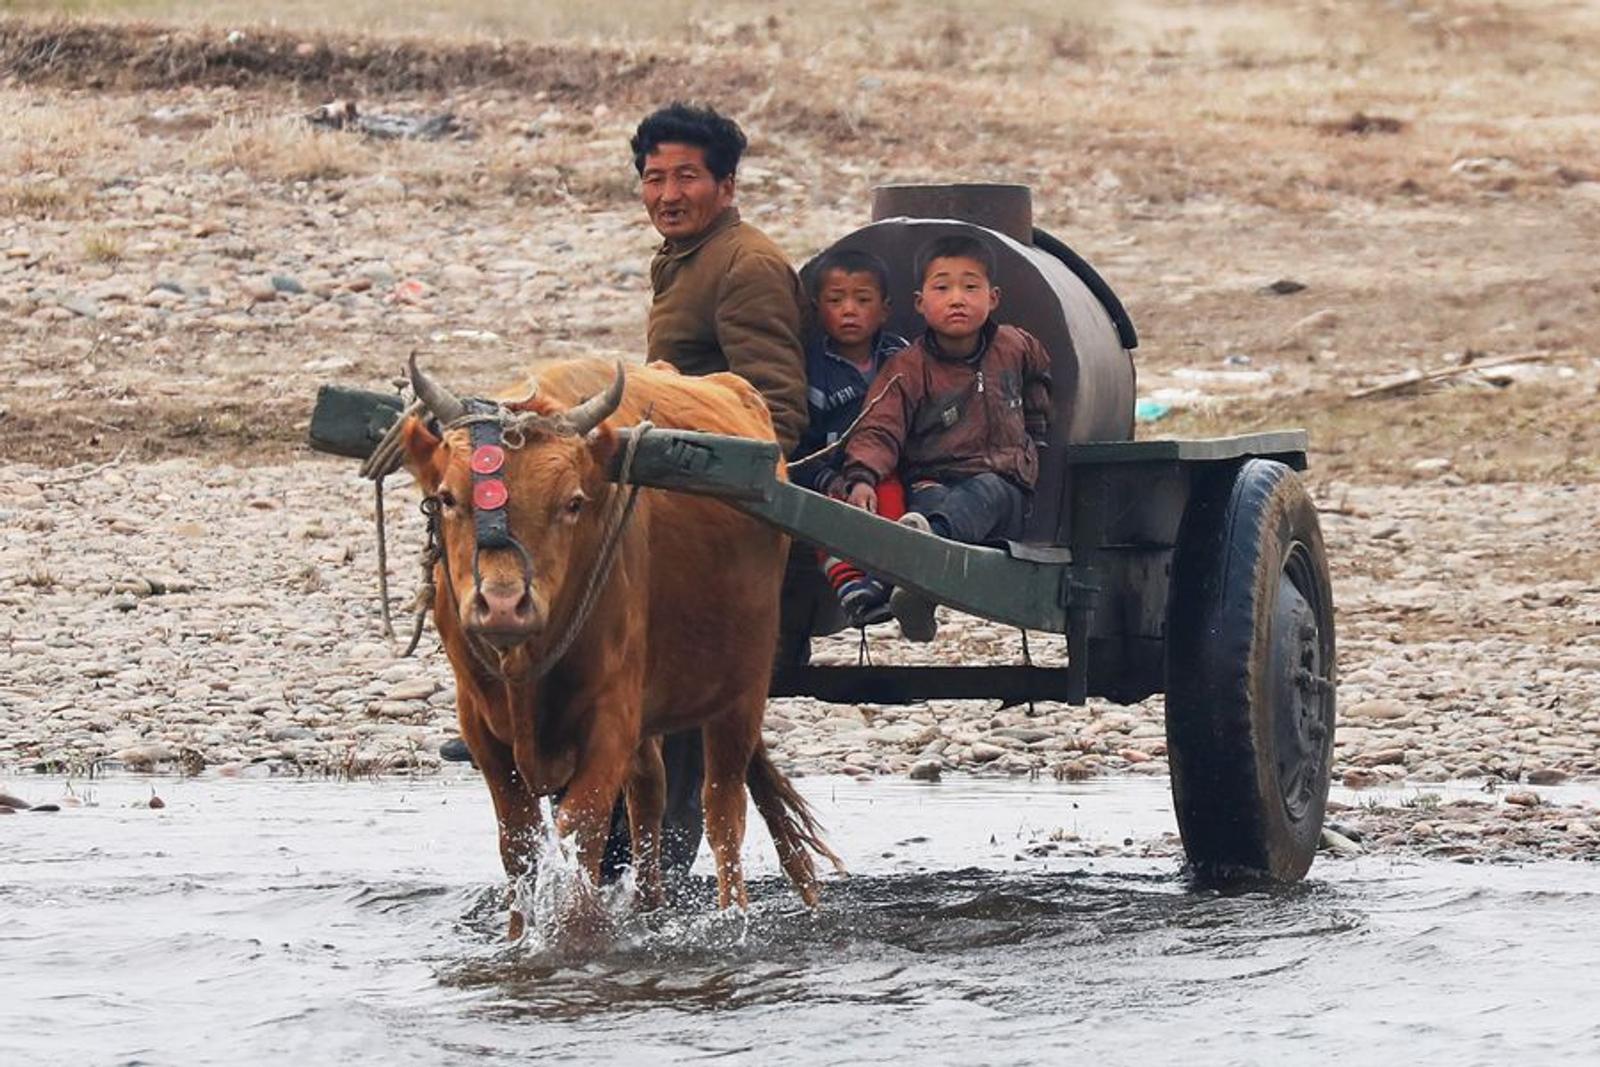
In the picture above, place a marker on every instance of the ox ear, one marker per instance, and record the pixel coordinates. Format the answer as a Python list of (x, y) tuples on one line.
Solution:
[(422, 451), (602, 443)]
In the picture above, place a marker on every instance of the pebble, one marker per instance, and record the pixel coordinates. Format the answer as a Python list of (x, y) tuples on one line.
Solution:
[(1338, 844), (1376, 709), (260, 290)]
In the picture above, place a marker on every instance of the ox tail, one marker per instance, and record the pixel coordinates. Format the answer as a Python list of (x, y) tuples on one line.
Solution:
[(789, 819)]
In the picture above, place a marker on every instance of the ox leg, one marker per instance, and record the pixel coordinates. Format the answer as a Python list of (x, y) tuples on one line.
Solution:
[(647, 798), (729, 744), (585, 813), (516, 810)]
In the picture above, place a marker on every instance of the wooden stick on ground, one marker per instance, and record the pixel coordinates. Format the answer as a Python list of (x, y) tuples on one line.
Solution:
[(1415, 378)]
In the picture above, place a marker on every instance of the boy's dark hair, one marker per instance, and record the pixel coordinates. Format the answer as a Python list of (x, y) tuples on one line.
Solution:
[(953, 245), (851, 261), (681, 123)]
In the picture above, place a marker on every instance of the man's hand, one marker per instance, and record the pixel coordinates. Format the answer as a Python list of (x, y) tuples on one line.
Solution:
[(863, 496)]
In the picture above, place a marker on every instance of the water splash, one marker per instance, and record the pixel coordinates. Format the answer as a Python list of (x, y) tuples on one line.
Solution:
[(562, 909)]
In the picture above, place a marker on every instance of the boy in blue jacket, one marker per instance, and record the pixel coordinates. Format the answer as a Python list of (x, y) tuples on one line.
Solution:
[(851, 292)]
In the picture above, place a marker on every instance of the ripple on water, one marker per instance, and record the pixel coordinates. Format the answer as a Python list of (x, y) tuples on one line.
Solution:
[(226, 931)]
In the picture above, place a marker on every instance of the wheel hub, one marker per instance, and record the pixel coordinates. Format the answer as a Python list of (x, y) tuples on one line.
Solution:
[(1301, 694)]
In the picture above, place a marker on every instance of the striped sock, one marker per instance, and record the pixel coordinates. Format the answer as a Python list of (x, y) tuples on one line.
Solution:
[(840, 573)]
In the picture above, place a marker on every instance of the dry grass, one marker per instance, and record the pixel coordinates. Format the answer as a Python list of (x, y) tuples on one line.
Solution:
[(102, 246), (42, 198), (277, 149)]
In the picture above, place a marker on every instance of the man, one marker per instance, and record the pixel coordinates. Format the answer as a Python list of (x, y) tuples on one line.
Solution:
[(723, 295)]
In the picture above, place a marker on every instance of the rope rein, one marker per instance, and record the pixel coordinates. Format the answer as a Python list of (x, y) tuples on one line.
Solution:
[(617, 523)]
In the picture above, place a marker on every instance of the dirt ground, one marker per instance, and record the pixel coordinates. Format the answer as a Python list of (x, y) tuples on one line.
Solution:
[(1429, 172), (1296, 201)]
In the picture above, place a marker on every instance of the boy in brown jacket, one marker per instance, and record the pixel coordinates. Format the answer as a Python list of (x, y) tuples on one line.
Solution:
[(962, 412)]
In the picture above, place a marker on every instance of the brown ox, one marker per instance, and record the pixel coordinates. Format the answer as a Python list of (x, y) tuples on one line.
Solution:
[(681, 634)]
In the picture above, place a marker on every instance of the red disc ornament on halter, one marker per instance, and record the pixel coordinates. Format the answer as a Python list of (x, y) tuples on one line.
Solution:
[(487, 459), (489, 494)]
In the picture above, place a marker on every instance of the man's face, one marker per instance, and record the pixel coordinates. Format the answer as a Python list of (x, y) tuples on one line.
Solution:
[(956, 298), (681, 195), (851, 306)]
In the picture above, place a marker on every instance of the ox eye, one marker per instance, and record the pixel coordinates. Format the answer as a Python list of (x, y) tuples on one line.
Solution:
[(575, 505), (447, 498)]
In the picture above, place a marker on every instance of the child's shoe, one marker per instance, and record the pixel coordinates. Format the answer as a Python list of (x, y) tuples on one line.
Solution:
[(865, 601), (915, 611)]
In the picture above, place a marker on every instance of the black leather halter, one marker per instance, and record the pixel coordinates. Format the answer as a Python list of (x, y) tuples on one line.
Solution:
[(490, 524)]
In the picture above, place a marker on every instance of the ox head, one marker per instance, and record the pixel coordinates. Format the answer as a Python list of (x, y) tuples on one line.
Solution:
[(519, 489)]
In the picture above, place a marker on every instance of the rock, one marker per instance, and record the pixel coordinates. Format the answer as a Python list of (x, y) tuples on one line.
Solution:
[(984, 752), (1359, 779), (417, 689), (161, 298), (260, 290), (144, 757), (1382, 757), (461, 276), (1282, 287), (926, 770), (1432, 465), (9, 802), (1074, 770), (1339, 844), (411, 291), (283, 283), (1376, 709), (904, 733), (1026, 734), (81, 306), (1524, 799), (1546, 776)]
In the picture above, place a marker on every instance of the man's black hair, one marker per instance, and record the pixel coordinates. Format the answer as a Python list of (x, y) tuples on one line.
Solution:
[(681, 123), (851, 261), (962, 245)]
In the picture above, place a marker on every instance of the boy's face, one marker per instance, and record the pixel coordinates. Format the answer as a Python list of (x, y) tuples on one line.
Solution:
[(956, 298), (681, 195), (851, 306)]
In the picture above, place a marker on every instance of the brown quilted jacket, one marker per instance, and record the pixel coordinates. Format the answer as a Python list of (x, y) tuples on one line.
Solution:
[(942, 419), (728, 300)]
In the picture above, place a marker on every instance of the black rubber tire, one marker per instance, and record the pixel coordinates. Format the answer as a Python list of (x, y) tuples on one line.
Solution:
[(1251, 676)]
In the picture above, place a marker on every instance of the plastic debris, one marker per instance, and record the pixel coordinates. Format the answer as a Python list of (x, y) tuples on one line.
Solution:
[(1147, 410), (344, 115)]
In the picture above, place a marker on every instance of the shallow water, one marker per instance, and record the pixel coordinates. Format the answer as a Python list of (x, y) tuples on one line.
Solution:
[(264, 921)]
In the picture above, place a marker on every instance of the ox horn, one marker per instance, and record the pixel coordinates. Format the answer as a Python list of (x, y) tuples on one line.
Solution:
[(582, 418), (441, 401)]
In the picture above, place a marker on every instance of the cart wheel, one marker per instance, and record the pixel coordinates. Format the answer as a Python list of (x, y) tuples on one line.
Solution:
[(1250, 676)]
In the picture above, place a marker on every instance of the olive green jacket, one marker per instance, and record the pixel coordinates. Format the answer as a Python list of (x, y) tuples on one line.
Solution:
[(727, 299)]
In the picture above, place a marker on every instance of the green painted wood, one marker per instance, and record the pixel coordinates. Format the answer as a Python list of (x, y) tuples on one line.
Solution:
[(1289, 446), (351, 422), (982, 581)]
